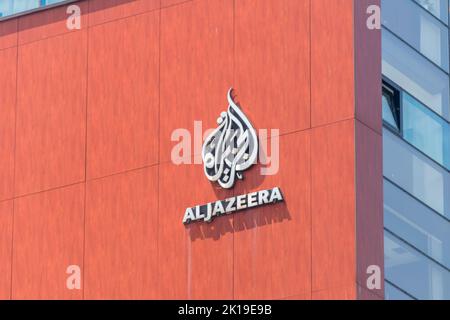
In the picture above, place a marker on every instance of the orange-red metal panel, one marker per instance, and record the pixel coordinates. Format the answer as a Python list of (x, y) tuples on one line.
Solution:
[(8, 59), (121, 236), (272, 62), (197, 259), (367, 67), (332, 61), (8, 33), (101, 11), (369, 204), (196, 67), (304, 296), (48, 238), (49, 23), (336, 293), (51, 113), (147, 74), (273, 243), (333, 206), (123, 97), (168, 3), (6, 225)]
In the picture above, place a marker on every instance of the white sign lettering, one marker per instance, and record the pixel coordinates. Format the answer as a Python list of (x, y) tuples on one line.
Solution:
[(212, 210)]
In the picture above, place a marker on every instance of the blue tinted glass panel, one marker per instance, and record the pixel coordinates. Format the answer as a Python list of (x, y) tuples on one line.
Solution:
[(418, 28), (415, 173), (11, 7), (392, 293), (417, 224), (426, 130), (439, 8), (387, 113), (413, 272), (415, 74)]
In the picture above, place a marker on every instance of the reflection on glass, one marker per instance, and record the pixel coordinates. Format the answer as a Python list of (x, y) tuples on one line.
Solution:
[(416, 274), (418, 28), (388, 107), (392, 293), (415, 173), (417, 224), (415, 74), (10, 7), (387, 113), (438, 8), (426, 130)]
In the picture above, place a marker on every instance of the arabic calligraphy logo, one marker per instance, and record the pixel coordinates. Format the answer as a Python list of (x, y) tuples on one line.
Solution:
[(231, 148)]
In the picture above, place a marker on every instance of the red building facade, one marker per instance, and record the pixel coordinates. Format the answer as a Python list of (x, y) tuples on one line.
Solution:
[(86, 176)]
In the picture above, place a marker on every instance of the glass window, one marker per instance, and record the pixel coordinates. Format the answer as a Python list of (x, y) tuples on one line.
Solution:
[(416, 274), (391, 106), (415, 173), (415, 74), (416, 223), (438, 8), (426, 130), (418, 28), (388, 115), (10, 7), (392, 293)]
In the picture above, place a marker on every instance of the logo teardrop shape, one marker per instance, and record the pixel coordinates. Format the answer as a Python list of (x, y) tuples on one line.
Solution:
[(231, 148)]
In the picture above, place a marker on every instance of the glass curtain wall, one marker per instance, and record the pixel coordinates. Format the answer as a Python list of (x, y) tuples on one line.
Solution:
[(12, 7), (416, 149)]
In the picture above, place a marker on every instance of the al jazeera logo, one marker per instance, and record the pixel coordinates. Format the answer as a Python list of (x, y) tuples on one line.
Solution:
[(227, 152)]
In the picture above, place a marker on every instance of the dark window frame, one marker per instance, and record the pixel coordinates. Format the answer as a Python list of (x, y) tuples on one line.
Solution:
[(396, 95)]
